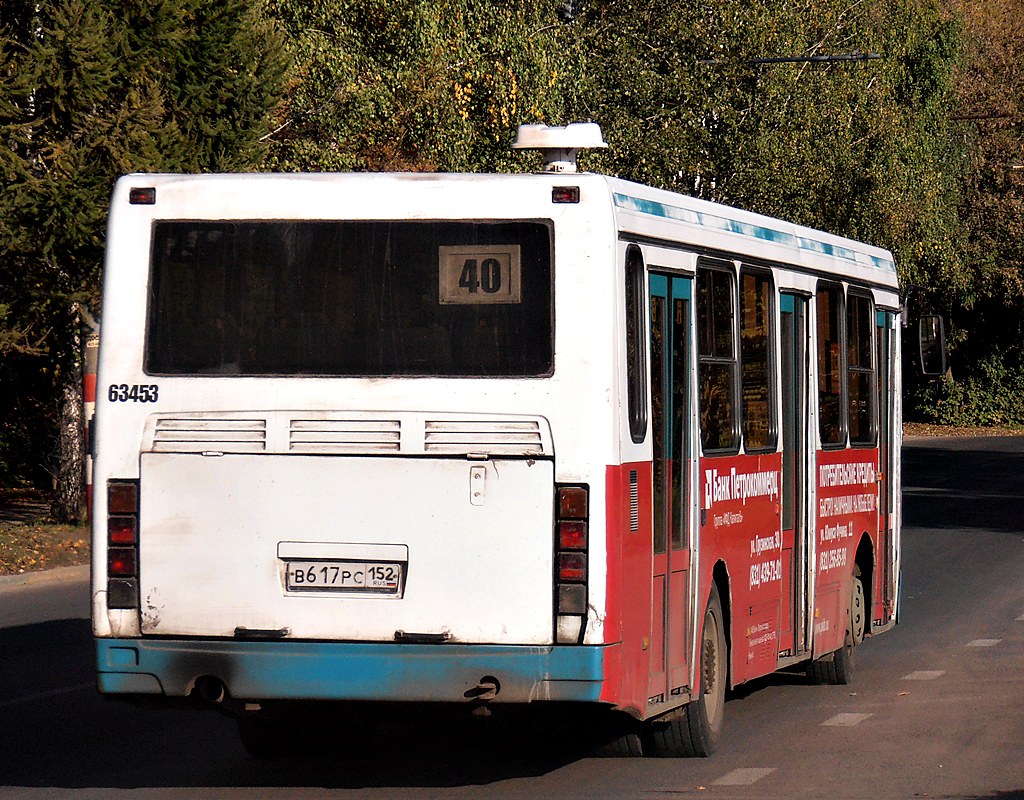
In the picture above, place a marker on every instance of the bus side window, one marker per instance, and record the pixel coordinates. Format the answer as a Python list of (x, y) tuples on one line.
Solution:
[(760, 429), (717, 362), (831, 414), (636, 362), (861, 375)]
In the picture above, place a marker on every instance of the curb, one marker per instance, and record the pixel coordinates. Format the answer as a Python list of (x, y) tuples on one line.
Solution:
[(56, 575)]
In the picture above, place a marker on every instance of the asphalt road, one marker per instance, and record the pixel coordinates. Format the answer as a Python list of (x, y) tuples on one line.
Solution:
[(936, 709)]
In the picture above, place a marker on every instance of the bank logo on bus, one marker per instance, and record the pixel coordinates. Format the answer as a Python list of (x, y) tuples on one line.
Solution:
[(479, 274), (741, 486)]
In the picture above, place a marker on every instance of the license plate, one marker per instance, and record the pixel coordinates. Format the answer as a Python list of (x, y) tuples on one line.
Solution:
[(373, 577)]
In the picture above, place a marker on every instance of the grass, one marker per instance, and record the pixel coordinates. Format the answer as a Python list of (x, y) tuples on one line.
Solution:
[(927, 429), (30, 542)]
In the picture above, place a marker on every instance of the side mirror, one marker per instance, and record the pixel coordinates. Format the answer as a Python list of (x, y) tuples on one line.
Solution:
[(931, 342)]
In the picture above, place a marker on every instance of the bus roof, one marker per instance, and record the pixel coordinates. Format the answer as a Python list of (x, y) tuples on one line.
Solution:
[(655, 215), (638, 201)]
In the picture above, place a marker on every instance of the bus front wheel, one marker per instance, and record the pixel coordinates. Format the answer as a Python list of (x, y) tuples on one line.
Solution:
[(695, 729)]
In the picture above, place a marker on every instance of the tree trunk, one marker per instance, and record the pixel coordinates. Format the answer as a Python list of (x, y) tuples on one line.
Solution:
[(69, 478)]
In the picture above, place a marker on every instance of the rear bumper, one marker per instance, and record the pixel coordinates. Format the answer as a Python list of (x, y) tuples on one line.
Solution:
[(349, 671)]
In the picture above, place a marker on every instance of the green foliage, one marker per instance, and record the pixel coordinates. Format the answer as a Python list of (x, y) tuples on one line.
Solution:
[(987, 318), (888, 151), (875, 150), (89, 90), (864, 149), (991, 395), (406, 85)]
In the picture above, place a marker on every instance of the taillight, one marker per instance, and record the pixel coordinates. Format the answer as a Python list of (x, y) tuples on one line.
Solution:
[(122, 544), (121, 530), (571, 523), (572, 535), (121, 562), (572, 567)]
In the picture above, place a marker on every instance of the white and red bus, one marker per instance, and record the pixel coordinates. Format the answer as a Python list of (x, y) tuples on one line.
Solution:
[(550, 440)]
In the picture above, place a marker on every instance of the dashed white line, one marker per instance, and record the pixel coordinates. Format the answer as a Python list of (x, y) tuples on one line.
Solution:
[(743, 777), (31, 698), (949, 493), (924, 675), (984, 642), (1020, 618), (845, 720)]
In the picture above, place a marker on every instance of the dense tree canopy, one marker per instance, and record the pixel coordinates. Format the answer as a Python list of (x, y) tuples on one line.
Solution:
[(89, 90), (404, 84), (917, 148), (861, 148), (711, 99), (987, 311)]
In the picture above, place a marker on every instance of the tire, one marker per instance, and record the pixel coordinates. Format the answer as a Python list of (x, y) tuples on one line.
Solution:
[(265, 738), (695, 729), (838, 668), (622, 745), (611, 734)]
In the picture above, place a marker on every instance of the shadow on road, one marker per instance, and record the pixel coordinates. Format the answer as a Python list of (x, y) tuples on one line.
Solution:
[(59, 732), (950, 483)]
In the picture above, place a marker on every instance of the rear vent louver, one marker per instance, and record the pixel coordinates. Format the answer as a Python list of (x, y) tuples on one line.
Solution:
[(483, 436), (634, 501), (173, 435), (330, 433), (344, 436)]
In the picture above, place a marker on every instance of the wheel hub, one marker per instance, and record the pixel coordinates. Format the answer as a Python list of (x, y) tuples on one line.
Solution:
[(708, 673)]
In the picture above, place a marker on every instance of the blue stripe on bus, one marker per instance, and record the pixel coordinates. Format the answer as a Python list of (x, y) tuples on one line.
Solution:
[(716, 222), (349, 671)]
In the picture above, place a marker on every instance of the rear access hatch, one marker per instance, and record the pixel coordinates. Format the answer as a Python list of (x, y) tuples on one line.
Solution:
[(345, 546)]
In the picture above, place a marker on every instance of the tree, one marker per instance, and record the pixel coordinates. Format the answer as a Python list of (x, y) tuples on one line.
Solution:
[(859, 148), (876, 149), (89, 90), (986, 383), (405, 85)]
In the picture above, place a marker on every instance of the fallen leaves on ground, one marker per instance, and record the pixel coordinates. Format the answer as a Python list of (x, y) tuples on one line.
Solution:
[(31, 547)]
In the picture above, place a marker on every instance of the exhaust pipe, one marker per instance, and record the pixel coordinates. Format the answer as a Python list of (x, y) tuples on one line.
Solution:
[(210, 690)]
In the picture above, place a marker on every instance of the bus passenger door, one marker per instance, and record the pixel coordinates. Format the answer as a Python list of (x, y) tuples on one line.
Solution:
[(670, 365), (793, 621), (886, 323)]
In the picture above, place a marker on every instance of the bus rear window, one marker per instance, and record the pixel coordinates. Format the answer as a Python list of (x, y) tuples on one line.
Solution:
[(350, 298)]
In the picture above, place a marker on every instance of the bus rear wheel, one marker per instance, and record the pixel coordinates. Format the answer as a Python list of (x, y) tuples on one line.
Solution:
[(838, 668), (695, 729)]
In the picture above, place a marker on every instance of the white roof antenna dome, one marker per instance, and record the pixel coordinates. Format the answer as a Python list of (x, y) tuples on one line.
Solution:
[(559, 145)]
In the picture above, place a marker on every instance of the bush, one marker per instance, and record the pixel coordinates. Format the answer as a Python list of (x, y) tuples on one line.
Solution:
[(992, 394)]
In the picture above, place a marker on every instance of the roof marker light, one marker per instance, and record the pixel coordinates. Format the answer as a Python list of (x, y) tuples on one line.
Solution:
[(142, 195), (565, 194)]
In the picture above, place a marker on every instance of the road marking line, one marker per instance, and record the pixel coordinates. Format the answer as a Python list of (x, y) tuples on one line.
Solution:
[(1020, 618), (743, 777), (984, 642), (31, 698), (951, 493), (924, 675), (845, 720)]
